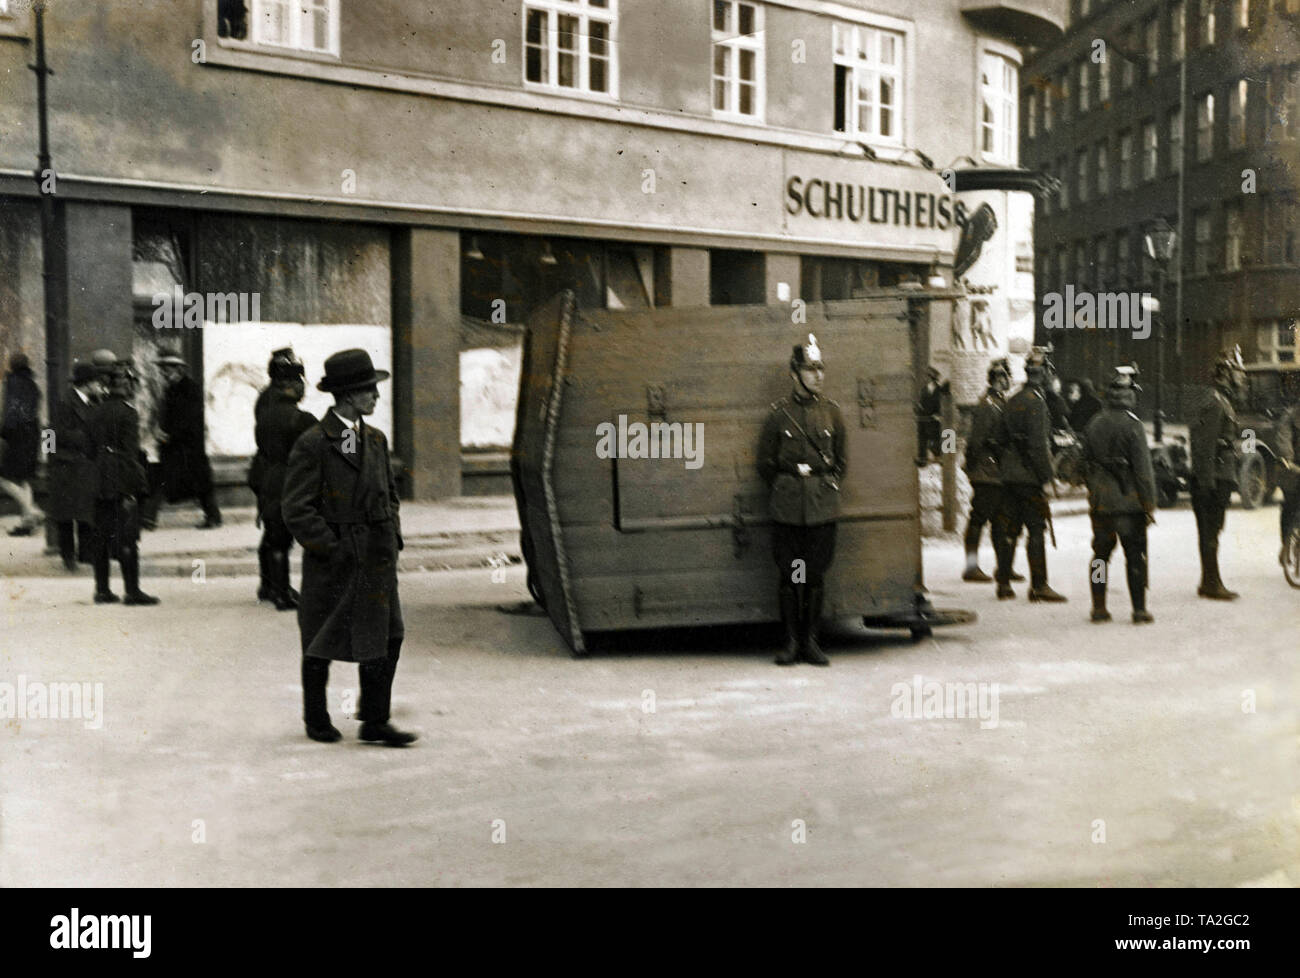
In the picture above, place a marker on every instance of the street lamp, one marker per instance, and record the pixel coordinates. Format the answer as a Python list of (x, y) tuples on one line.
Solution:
[(1160, 241)]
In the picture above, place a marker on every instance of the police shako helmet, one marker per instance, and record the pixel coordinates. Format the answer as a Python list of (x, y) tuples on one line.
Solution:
[(807, 354), (285, 365), (1228, 363), (1038, 366)]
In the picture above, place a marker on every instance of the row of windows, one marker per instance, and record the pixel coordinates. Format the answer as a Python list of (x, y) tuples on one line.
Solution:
[(1226, 239), (572, 46), (1159, 41)]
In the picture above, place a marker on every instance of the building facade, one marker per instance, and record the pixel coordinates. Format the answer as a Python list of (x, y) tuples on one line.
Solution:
[(229, 176), (1186, 111)]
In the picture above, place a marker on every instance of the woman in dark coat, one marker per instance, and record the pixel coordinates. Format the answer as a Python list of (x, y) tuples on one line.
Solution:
[(186, 472), (21, 433)]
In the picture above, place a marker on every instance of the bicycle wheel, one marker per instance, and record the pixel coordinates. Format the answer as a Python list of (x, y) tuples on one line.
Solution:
[(1291, 558)]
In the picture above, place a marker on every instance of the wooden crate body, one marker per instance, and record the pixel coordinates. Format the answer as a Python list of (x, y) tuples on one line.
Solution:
[(625, 543)]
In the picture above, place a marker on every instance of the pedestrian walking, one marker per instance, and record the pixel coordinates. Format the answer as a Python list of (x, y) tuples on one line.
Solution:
[(981, 467), (1121, 493), (279, 423), (115, 434), (1025, 452), (929, 420), (802, 457), (186, 471), (1213, 434), (73, 474), (340, 502), (20, 433)]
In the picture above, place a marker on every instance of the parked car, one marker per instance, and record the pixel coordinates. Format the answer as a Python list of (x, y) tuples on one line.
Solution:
[(1173, 468), (1270, 389)]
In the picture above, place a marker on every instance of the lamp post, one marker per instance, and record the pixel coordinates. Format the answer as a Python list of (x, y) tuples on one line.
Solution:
[(1160, 241)]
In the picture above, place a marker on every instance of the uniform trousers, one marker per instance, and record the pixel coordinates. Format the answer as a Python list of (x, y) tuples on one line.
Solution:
[(814, 545), (1290, 516), (1130, 529), (1023, 507), (985, 500)]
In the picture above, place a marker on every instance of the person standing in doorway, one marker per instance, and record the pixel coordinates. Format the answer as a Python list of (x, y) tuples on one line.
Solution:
[(186, 471)]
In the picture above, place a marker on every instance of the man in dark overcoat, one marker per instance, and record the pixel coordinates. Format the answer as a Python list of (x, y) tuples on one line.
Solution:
[(1121, 494), (981, 466), (115, 434), (183, 454), (1213, 435), (1023, 436), (340, 502), (802, 457), (73, 475), (279, 424), (20, 433)]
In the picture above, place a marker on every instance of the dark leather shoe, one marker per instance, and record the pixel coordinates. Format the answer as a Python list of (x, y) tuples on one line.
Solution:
[(70, 564), (285, 602), (789, 655), (1017, 577), (387, 734), (328, 734), (139, 597), (1005, 592), (813, 654), (106, 597), (1143, 617), (975, 574), (264, 593), (1100, 615), (1217, 592), (1045, 593), (208, 524)]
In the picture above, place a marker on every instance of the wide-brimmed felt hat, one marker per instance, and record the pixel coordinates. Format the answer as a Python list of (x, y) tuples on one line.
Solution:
[(83, 373), (171, 359), (349, 370)]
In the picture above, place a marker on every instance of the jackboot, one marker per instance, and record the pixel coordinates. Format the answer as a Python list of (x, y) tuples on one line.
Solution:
[(130, 561), (1005, 550), (812, 650), (1099, 612), (1036, 550), (1137, 592), (265, 589), (1212, 586), (973, 572), (103, 592), (790, 619), (285, 599)]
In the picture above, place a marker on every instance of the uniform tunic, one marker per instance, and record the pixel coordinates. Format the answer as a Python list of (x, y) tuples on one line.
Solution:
[(982, 466), (1213, 438), (1023, 435), (1121, 488)]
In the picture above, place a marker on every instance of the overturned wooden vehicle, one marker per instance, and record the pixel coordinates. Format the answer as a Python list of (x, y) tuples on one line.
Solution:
[(634, 463)]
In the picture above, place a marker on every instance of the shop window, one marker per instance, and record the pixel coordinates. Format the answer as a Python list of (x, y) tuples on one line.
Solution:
[(736, 278), (826, 279), (868, 82), (303, 25), (571, 44), (999, 82), (738, 59)]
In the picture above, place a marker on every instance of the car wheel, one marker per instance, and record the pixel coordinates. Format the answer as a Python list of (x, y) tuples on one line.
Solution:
[(1291, 558), (1252, 480)]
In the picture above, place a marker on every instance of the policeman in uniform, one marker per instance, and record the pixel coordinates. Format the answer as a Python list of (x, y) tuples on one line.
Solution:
[(279, 423), (1288, 445), (1023, 436), (981, 465), (802, 458), (115, 434), (1121, 493), (1214, 431)]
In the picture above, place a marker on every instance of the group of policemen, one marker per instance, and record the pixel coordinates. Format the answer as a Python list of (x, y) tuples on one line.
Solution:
[(1009, 464)]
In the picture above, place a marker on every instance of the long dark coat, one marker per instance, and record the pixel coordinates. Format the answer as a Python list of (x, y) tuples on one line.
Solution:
[(21, 429), (186, 472), (1213, 434), (280, 422), (1121, 478), (981, 462), (1024, 437), (342, 507), (115, 431), (807, 429), (73, 474)]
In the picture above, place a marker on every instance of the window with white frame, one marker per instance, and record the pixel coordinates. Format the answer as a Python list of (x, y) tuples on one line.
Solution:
[(1151, 45), (999, 82), (1207, 21), (1177, 32), (1048, 98), (303, 25), (1103, 169), (1277, 341), (1150, 151), (572, 44), (1084, 87), (1243, 13), (1125, 160), (869, 82), (1238, 95), (4, 8), (1176, 139), (1205, 127), (1232, 237), (1103, 79), (738, 63), (1127, 70)]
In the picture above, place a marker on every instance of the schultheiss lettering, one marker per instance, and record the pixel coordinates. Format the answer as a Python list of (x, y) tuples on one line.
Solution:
[(876, 205)]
